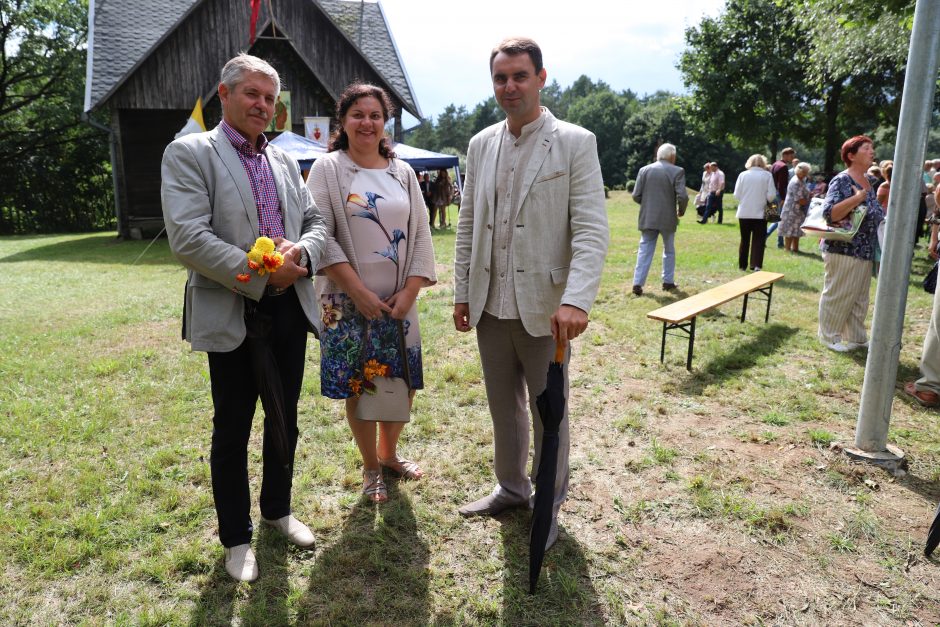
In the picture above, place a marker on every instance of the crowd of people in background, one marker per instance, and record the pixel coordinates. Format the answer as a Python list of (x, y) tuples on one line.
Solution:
[(438, 195), (784, 191)]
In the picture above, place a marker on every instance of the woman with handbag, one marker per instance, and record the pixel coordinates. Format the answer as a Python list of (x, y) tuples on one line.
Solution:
[(378, 256), (794, 208), (754, 189), (843, 304)]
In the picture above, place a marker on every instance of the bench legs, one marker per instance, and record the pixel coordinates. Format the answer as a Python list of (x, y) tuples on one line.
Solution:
[(767, 291), (687, 328)]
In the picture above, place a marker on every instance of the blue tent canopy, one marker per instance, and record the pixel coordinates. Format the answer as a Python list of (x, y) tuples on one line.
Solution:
[(306, 151), (421, 159)]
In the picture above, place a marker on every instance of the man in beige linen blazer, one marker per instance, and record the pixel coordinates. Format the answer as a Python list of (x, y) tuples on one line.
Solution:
[(221, 190), (531, 242)]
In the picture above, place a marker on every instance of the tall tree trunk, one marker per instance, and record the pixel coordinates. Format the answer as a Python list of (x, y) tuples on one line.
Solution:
[(833, 99)]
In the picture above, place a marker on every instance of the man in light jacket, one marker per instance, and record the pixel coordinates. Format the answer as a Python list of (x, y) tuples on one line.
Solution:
[(221, 190), (531, 241)]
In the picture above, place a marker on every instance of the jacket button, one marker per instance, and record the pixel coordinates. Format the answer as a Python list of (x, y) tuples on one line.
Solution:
[(489, 226)]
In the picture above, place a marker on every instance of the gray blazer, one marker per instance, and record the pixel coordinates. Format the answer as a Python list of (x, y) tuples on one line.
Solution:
[(560, 239), (660, 190), (212, 220)]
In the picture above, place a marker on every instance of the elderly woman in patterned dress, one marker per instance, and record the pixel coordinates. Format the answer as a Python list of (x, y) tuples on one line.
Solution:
[(843, 304), (794, 208)]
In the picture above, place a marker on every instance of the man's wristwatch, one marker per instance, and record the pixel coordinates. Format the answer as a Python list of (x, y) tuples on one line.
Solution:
[(304, 260)]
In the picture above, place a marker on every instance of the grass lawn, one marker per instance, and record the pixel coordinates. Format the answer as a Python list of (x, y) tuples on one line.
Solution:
[(710, 497)]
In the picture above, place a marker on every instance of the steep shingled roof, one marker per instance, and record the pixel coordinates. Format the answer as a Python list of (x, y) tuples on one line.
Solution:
[(365, 25), (122, 33)]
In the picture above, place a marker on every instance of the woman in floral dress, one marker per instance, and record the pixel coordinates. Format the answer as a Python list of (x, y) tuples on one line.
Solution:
[(378, 256), (794, 208)]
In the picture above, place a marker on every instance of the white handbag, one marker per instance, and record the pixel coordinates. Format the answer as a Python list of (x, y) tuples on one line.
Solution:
[(387, 399)]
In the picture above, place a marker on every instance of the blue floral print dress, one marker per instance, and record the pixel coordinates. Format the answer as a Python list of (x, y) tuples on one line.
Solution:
[(378, 210)]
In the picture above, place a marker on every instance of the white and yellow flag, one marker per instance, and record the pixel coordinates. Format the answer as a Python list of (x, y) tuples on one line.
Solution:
[(194, 124)]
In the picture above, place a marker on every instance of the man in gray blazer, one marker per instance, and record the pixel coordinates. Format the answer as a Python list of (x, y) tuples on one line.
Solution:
[(221, 191), (660, 191), (531, 241)]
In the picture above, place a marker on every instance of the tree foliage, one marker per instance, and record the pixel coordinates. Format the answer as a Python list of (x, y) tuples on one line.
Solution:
[(855, 62), (808, 71), (744, 70), (54, 170), (628, 129), (604, 113)]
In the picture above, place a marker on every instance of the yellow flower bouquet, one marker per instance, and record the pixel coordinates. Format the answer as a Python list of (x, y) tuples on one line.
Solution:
[(262, 258)]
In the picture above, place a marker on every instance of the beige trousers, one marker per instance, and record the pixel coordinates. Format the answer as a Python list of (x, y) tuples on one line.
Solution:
[(930, 358), (844, 301), (514, 364)]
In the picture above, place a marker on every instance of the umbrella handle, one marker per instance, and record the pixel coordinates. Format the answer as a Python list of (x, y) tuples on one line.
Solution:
[(559, 353)]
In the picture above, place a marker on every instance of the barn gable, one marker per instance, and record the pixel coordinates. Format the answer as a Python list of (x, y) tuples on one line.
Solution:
[(149, 60)]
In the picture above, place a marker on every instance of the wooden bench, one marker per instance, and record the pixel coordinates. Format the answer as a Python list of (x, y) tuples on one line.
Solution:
[(681, 314)]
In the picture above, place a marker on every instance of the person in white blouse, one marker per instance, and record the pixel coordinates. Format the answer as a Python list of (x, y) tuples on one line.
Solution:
[(753, 190)]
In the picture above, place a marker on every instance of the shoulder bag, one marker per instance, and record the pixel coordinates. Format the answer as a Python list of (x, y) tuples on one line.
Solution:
[(772, 211), (385, 399), (815, 224)]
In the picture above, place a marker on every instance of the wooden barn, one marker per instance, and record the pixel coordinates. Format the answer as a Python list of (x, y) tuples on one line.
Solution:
[(149, 60)]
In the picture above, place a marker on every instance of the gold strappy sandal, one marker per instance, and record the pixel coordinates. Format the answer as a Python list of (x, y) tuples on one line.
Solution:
[(373, 486), (403, 468)]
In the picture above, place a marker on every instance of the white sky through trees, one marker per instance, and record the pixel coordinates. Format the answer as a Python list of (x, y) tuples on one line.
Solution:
[(628, 44)]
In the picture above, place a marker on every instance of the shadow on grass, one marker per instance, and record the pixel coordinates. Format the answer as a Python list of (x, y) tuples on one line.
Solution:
[(564, 588), (267, 601), (926, 488), (745, 355), (95, 248), (799, 286), (374, 573), (215, 605)]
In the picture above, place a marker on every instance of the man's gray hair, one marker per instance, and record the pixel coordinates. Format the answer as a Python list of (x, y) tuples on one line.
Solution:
[(234, 71), (666, 151)]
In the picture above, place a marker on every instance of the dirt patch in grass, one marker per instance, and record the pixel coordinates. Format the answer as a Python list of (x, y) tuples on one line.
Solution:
[(722, 517)]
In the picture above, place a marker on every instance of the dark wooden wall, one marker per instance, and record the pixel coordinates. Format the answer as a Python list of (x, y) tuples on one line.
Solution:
[(314, 59), (186, 65), (145, 134)]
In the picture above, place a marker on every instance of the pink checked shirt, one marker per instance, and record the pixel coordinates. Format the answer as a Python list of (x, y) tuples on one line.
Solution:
[(255, 162)]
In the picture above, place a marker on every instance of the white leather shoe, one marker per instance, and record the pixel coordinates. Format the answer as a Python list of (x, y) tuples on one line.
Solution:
[(293, 529), (240, 563)]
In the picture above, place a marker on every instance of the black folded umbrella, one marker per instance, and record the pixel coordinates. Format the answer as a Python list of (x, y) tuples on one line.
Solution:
[(267, 378), (551, 405), (933, 536)]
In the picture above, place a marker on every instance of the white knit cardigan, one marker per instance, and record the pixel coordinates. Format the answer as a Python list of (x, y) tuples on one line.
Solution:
[(330, 180)]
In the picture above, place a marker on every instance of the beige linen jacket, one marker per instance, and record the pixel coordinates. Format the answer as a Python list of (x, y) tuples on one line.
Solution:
[(212, 221), (329, 182), (560, 239)]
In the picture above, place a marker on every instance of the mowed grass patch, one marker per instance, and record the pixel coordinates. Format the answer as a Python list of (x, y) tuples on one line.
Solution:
[(105, 426)]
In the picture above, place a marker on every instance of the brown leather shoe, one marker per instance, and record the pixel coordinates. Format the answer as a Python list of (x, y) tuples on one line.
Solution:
[(670, 286), (490, 505), (637, 290)]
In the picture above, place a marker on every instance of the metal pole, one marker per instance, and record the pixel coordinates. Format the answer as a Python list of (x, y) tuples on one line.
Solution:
[(881, 369)]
